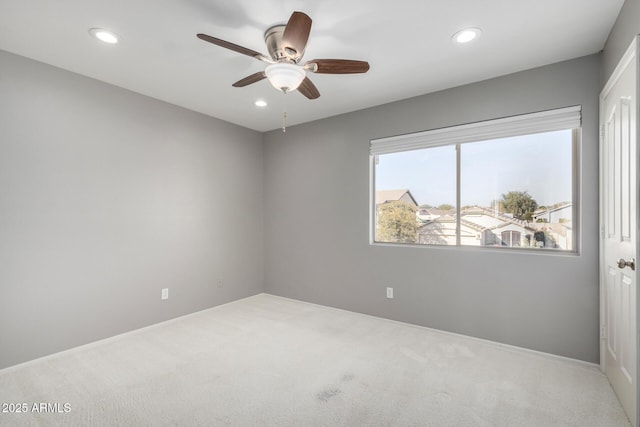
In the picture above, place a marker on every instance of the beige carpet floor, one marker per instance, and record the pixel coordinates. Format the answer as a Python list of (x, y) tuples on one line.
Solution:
[(270, 361)]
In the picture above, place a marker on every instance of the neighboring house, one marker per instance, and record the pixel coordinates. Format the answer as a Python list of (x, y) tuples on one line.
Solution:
[(478, 227), (402, 195), (441, 231), (563, 213), (426, 214), (561, 233)]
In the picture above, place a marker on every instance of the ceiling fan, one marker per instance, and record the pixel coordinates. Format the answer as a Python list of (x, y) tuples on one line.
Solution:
[(286, 45)]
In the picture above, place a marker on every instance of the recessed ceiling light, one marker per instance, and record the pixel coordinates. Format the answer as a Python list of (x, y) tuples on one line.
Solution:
[(466, 35), (260, 103), (104, 35)]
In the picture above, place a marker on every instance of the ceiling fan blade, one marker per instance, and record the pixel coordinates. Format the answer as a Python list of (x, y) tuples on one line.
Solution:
[(308, 89), (337, 66), (233, 47), (295, 36), (253, 78)]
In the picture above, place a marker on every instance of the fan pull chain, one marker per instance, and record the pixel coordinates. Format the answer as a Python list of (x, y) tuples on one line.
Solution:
[(284, 112)]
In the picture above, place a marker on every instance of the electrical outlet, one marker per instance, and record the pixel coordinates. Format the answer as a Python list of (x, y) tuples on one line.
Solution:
[(390, 293), (221, 283), (165, 293)]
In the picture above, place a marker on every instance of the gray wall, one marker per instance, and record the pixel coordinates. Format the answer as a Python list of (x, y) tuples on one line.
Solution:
[(106, 197), (626, 27), (317, 223)]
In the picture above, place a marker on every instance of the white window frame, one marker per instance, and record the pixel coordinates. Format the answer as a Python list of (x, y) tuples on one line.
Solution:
[(525, 124)]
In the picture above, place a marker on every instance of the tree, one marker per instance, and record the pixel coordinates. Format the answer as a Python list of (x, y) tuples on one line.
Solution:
[(397, 223), (520, 204), (446, 207)]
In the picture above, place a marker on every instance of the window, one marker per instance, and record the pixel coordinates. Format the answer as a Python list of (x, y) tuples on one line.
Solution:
[(511, 238), (505, 183)]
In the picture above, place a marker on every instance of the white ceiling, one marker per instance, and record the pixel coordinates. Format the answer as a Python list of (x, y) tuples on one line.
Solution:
[(406, 42)]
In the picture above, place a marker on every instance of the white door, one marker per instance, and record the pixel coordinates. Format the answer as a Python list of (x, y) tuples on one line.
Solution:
[(619, 211)]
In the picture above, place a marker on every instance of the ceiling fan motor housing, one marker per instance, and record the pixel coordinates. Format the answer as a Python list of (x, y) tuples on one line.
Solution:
[(273, 40)]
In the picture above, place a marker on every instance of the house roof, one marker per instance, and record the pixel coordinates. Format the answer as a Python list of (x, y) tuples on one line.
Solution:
[(436, 211), (385, 196), (468, 214), (547, 211)]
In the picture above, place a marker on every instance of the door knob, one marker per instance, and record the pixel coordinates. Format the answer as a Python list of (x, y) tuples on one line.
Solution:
[(631, 263)]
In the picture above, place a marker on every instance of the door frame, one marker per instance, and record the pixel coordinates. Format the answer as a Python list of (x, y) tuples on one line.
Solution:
[(631, 54)]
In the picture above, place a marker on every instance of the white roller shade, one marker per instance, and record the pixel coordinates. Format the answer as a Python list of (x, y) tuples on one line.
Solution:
[(526, 124)]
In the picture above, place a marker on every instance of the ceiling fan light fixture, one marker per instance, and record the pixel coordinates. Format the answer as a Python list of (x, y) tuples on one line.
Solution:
[(284, 76), (466, 35), (104, 35)]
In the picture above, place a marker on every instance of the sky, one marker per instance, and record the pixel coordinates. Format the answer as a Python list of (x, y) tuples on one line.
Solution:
[(539, 164)]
